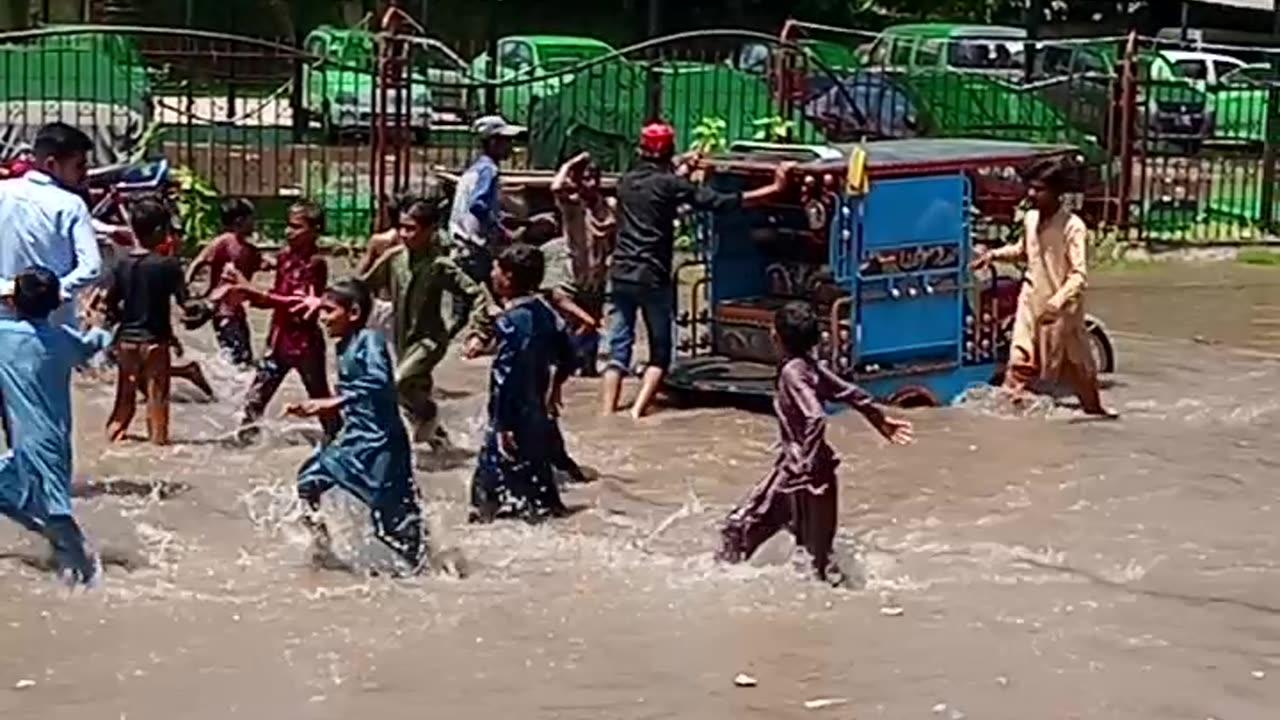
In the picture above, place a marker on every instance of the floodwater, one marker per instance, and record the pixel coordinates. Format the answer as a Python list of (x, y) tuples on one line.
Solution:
[(1045, 567)]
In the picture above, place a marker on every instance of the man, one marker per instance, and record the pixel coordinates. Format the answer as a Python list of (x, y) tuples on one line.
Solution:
[(475, 221), (649, 198), (47, 223), (1050, 342)]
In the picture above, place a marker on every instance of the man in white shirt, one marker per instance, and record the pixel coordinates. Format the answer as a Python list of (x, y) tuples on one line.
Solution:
[(46, 223)]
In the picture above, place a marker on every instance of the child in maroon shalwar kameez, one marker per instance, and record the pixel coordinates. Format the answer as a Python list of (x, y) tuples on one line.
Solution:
[(295, 341), (800, 492)]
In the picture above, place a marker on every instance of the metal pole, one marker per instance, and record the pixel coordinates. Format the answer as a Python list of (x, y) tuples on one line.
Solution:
[(1186, 16), (491, 92), (1035, 13), (1272, 126), (655, 18)]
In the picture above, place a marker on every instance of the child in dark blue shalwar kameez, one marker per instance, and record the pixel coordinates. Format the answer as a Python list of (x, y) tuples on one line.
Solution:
[(513, 475), (370, 456)]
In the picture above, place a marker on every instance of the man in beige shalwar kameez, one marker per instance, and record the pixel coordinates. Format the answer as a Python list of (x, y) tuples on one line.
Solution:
[(1050, 342)]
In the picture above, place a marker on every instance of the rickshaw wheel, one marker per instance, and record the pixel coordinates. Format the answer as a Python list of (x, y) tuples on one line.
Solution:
[(1104, 355), (913, 396)]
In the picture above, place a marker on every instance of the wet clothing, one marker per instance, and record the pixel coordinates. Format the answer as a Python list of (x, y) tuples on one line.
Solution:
[(799, 493), (143, 288), (1055, 278), (299, 272), (656, 305), (294, 343), (649, 199), (272, 370), (231, 250), (416, 283), (531, 341), (590, 232), (235, 342), (146, 366), (36, 359), (370, 457), (49, 226)]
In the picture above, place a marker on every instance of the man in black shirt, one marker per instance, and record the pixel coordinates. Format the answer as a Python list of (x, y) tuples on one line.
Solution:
[(143, 284), (649, 198)]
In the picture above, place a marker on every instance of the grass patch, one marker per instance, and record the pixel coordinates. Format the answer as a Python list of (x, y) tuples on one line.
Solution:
[(1258, 256)]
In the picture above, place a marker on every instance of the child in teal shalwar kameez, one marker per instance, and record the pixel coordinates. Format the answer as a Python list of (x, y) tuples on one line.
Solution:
[(370, 456), (36, 359)]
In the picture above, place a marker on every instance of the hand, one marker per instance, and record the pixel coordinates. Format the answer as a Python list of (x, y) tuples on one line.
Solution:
[(233, 276), (306, 408), (308, 306), (689, 163), (580, 159), (982, 260), (781, 173), (896, 431), (507, 445), (1051, 312), (472, 348)]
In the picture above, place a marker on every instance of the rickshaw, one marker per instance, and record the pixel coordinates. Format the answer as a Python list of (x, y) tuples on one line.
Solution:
[(879, 238)]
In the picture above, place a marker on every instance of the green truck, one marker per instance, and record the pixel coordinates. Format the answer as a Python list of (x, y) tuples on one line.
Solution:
[(532, 68)]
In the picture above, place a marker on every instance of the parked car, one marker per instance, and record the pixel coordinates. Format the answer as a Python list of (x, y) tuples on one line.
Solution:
[(986, 49), (1203, 69), (1083, 80), (340, 87), (539, 61)]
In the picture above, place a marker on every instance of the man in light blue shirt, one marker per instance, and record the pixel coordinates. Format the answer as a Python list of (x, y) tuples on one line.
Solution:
[(475, 220), (43, 222)]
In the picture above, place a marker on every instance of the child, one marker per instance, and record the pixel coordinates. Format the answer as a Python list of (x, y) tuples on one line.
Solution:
[(143, 284), (513, 474), (590, 227), (36, 359), (295, 341), (800, 492), (416, 274), (232, 251), (1050, 342), (370, 456)]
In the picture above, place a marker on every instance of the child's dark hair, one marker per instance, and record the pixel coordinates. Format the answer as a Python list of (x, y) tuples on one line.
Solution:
[(796, 325), (60, 141), (311, 212), (427, 212), (525, 265), (150, 221), (234, 210), (1057, 174), (36, 293), (351, 294)]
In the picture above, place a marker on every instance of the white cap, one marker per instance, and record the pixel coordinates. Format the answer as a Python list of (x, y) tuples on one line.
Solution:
[(491, 126)]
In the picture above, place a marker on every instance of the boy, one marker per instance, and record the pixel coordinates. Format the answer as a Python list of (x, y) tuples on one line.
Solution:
[(370, 456), (800, 492), (143, 284), (416, 274), (295, 341), (590, 229), (36, 359), (231, 258), (1050, 342), (514, 474)]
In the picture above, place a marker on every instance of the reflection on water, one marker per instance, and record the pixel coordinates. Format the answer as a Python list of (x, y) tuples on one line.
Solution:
[(1046, 566)]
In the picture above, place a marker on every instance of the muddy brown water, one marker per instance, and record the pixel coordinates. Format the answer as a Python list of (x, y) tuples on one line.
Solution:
[(1046, 567)]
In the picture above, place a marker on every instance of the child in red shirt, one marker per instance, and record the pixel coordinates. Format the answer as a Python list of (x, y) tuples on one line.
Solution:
[(231, 258), (295, 341)]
